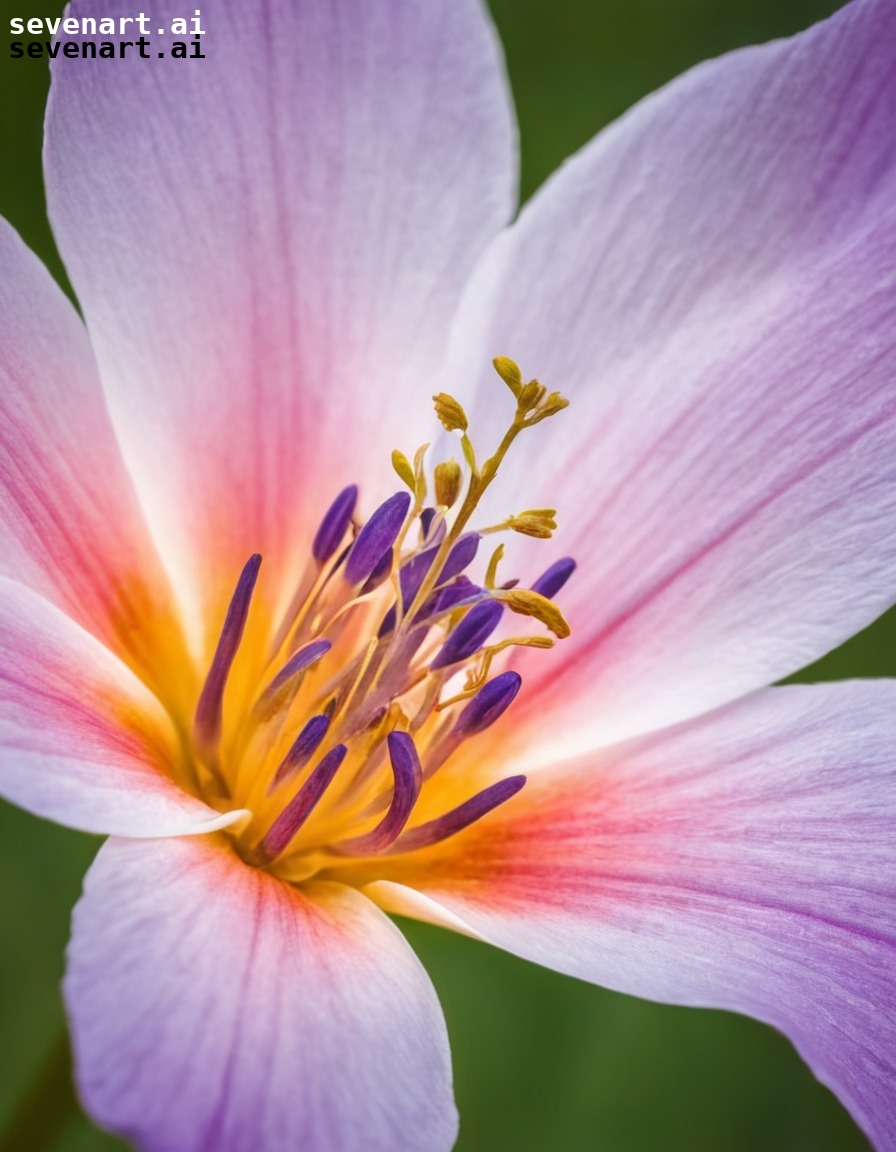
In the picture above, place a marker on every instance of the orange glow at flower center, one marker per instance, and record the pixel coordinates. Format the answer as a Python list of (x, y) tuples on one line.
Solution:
[(346, 734)]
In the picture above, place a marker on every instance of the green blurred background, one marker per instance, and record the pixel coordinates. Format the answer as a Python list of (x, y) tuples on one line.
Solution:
[(542, 1062)]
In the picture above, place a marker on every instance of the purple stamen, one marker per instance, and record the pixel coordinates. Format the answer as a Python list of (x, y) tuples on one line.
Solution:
[(489, 703), (462, 554), (376, 538), (414, 572), (298, 662), (470, 634), (461, 592), (550, 582), (207, 722), (284, 829), (460, 817), (417, 569), (388, 623), (380, 573), (410, 577), (304, 746), (335, 524), (407, 774), (426, 518)]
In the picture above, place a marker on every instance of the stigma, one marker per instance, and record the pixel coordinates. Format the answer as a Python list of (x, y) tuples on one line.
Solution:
[(383, 671)]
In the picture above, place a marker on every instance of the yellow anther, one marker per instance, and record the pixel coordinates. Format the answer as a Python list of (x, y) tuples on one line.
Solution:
[(469, 454), (525, 602), (402, 466), (531, 395), (450, 413), (510, 373), (533, 528), (420, 475), (532, 642), (491, 575), (453, 417), (537, 522), (448, 482), (550, 406)]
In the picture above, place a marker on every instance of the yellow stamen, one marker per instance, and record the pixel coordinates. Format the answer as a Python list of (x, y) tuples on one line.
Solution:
[(403, 468), (528, 603), (509, 372), (450, 412), (448, 480)]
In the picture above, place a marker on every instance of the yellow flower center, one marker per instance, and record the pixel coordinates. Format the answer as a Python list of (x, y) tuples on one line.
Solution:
[(348, 739)]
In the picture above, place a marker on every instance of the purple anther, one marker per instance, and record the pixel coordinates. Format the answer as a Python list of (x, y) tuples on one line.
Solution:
[(376, 537), (461, 591), (335, 524), (380, 573), (297, 811), (304, 746), (460, 817), (426, 518), (388, 623), (417, 569), (462, 554), (470, 634), (207, 721), (298, 662), (407, 775), (414, 572), (550, 582), (489, 703)]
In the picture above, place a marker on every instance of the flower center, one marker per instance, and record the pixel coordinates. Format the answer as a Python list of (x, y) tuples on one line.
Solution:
[(351, 745)]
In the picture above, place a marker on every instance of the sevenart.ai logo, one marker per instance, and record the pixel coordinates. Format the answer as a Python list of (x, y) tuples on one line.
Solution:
[(106, 37)]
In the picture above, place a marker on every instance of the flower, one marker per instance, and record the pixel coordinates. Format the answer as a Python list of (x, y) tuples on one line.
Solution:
[(280, 251)]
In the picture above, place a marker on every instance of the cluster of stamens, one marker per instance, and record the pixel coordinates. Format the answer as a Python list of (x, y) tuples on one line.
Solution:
[(380, 670)]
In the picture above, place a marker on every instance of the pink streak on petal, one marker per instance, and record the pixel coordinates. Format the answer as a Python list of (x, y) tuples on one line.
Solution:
[(716, 293), (745, 860), (215, 1009), (82, 741), (70, 526), (269, 266)]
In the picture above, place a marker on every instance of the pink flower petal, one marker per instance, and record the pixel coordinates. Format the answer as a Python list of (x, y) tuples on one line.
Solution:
[(713, 283), (216, 1009), (70, 526), (82, 741), (745, 860), (269, 244)]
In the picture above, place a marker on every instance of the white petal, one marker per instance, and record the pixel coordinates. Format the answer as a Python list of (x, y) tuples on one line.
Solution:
[(269, 245), (713, 284), (82, 741), (216, 1009), (745, 860)]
